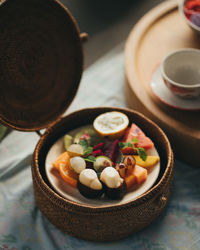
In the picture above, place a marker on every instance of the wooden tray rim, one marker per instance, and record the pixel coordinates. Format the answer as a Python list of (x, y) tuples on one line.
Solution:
[(134, 39)]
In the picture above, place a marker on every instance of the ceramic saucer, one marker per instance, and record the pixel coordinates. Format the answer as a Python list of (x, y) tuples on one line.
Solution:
[(161, 91)]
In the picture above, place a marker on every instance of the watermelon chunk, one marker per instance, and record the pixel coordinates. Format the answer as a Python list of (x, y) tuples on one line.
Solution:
[(135, 132)]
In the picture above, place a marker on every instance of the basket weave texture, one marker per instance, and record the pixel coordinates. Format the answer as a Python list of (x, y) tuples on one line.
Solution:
[(101, 223), (41, 62), (40, 70)]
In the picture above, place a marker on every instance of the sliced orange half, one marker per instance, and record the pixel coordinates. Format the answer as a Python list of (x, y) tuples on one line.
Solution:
[(68, 175), (112, 124), (63, 158)]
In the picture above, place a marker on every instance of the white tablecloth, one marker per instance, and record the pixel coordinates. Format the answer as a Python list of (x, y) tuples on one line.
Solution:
[(22, 226)]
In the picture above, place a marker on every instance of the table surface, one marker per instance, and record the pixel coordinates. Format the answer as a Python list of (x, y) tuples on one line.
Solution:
[(22, 226), (107, 23)]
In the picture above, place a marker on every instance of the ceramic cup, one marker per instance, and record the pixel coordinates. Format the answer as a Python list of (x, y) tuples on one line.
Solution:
[(181, 72)]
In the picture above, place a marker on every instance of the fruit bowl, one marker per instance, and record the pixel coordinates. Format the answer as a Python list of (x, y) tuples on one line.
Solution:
[(101, 222), (190, 16), (69, 192)]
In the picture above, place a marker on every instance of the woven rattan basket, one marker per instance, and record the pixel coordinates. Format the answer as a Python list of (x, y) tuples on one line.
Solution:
[(103, 223), (40, 69), (41, 62)]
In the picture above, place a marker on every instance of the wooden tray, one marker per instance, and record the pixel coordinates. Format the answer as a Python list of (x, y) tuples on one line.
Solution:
[(159, 32)]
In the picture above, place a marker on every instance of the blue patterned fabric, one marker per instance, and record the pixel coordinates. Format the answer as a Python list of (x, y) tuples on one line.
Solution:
[(22, 226)]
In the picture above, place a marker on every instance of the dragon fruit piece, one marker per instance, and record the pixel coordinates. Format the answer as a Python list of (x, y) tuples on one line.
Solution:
[(97, 152), (112, 150), (98, 146)]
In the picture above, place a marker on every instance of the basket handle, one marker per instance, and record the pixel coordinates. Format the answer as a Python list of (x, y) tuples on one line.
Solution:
[(38, 133), (2, 1), (160, 201), (84, 37)]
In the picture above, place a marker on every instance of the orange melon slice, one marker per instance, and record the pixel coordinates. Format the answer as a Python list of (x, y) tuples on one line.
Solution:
[(140, 174), (130, 180)]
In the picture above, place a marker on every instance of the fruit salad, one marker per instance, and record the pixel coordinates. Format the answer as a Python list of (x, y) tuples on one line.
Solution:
[(107, 159), (192, 11)]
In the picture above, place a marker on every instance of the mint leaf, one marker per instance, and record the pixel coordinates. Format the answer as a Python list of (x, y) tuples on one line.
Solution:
[(121, 144), (90, 158), (125, 144), (87, 151), (135, 139), (142, 153), (128, 144), (84, 143)]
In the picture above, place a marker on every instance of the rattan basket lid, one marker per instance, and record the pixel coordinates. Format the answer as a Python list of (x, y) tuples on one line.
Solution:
[(41, 62)]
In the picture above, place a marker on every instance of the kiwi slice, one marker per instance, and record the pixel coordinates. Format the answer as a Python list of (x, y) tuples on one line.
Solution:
[(94, 137), (67, 141), (101, 163)]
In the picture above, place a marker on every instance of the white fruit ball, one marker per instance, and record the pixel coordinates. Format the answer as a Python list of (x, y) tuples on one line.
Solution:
[(78, 164)]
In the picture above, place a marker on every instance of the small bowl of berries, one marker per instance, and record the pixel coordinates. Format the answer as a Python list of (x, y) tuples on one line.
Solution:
[(190, 10)]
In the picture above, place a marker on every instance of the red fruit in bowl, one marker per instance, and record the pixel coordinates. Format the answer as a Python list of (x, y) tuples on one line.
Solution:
[(112, 150), (97, 152), (128, 151), (120, 167), (193, 4), (129, 162), (134, 132), (99, 146)]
